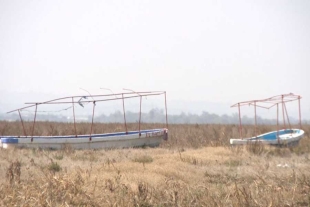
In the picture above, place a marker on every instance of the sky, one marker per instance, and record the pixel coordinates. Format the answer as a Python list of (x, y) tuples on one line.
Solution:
[(201, 52)]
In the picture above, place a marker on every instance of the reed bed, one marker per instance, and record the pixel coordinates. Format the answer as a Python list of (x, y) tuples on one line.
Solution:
[(195, 167)]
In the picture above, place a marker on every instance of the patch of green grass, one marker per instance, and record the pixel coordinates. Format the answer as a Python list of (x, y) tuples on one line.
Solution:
[(54, 167), (191, 160), (233, 163), (90, 156), (256, 148), (279, 152)]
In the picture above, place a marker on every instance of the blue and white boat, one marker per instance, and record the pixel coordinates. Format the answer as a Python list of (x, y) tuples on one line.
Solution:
[(287, 137)]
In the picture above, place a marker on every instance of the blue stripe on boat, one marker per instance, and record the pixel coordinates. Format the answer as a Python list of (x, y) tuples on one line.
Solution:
[(273, 135), (9, 140)]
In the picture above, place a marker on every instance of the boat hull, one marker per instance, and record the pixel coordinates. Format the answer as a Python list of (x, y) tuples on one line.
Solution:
[(282, 137), (151, 138)]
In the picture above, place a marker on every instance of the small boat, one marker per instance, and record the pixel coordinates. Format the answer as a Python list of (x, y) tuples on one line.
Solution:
[(282, 137), (125, 139), (287, 137)]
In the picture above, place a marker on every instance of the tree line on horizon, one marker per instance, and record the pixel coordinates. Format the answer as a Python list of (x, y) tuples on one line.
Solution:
[(153, 116)]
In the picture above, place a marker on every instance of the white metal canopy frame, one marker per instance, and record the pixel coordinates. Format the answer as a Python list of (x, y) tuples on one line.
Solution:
[(71, 100), (268, 103)]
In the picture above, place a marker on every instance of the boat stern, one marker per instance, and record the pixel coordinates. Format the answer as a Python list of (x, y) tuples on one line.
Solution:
[(8, 142), (165, 134)]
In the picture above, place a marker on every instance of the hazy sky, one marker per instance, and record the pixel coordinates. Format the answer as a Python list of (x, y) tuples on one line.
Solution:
[(220, 51)]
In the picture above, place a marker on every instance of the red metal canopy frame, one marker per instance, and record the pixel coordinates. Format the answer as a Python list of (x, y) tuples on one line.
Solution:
[(95, 99), (269, 103)]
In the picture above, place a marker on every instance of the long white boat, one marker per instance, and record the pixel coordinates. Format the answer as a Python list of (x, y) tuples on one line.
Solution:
[(151, 138), (126, 139), (287, 137)]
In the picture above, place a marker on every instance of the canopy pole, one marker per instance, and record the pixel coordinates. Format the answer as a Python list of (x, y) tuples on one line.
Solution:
[(240, 126), (166, 110), (140, 116), (278, 122), (74, 117), (22, 123), (255, 118), (283, 113), (299, 112), (34, 121), (92, 121), (124, 113), (288, 120)]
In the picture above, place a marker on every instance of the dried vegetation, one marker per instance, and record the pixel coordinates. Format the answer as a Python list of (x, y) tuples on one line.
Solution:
[(195, 167)]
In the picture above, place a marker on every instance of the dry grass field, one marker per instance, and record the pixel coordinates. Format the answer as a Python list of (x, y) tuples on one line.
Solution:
[(195, 167)]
